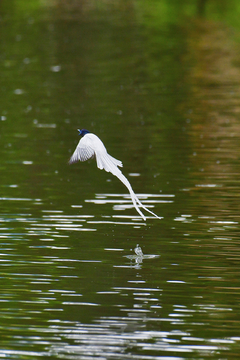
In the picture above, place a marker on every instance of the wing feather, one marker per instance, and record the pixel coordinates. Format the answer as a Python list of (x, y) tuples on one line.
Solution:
[(83, 151)]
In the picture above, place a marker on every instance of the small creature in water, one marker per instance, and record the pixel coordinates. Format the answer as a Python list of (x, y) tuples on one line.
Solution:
[(139, 257), (91, 146), (138, 250)]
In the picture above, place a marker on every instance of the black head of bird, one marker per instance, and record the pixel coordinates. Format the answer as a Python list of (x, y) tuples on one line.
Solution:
[(83, 132)]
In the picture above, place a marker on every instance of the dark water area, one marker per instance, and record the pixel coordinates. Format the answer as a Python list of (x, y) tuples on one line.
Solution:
[(159, 84)]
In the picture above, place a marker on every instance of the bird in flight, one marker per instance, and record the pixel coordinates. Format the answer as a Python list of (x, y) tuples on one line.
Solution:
[(91, 146)]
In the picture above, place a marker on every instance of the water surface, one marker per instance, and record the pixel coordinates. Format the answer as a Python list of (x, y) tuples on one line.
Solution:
[(161, 89)]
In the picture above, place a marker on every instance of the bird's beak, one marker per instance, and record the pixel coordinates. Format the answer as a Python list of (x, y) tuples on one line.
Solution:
[(79, 132)]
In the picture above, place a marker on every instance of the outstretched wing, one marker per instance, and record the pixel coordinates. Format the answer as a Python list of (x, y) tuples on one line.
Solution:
[(83, 151)]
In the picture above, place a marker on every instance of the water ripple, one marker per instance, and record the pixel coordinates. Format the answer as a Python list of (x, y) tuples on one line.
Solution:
[(125, 201)]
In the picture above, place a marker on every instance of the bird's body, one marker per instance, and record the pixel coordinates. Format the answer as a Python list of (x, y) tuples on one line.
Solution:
[(91, 146)]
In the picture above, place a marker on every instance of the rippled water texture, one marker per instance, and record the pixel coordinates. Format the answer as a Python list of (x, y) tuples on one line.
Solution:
[(82, 276)]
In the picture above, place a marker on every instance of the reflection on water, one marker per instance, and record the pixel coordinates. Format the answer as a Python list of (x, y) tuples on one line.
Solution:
[(125, 202), (63, 297)]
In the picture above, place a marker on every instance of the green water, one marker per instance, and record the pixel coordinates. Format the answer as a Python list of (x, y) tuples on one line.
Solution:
[(160, 86)]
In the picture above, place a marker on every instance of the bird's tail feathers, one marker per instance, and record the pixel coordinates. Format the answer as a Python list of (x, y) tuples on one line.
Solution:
[(115, 161), (109, 164), (104, 161), (135, 200), (145, 208)]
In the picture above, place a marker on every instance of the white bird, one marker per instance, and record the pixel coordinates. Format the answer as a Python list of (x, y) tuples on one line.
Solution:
[(91, 146)]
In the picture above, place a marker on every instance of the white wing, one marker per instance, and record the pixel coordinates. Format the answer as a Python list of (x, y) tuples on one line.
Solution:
[(83, 151), (89, 146)]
